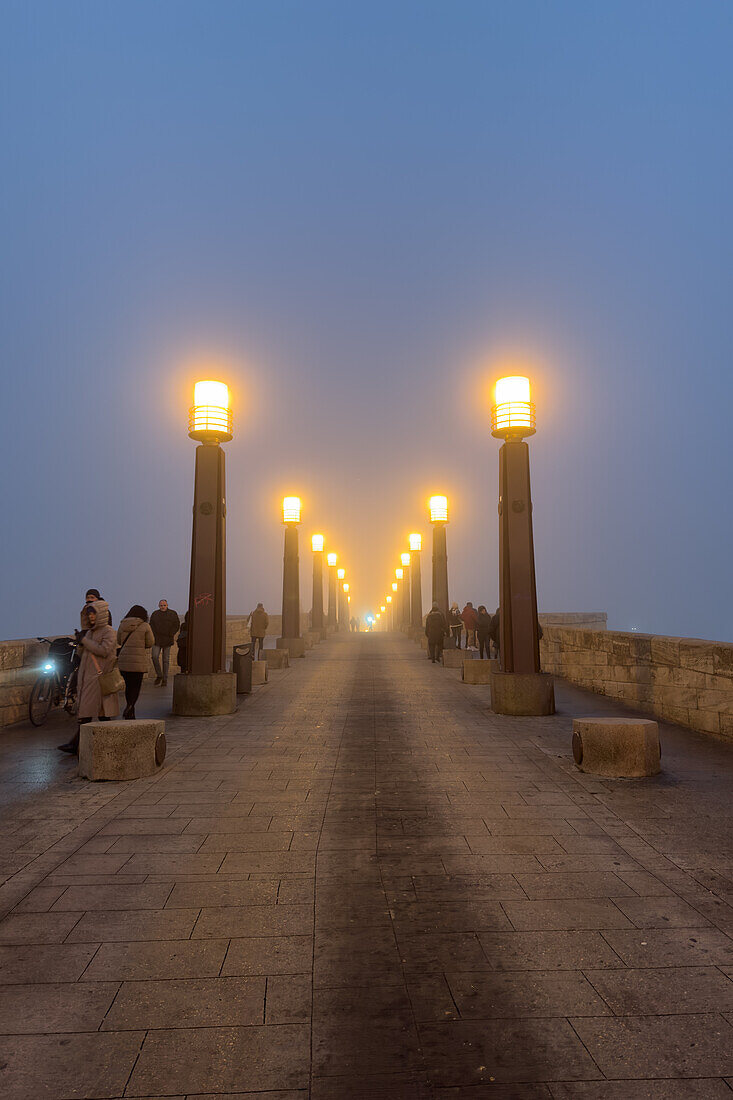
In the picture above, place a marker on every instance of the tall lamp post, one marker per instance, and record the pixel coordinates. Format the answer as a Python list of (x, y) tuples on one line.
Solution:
[(520, 687), (439, 519), (332, 598), (317, 608), (343, 617), (347, 600), (390, 612), (203, 686), (406, 590), (399, 599), (291, 639), (415, 582)]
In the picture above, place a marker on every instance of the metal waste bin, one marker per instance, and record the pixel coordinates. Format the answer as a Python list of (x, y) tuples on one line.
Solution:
[(242, 667)]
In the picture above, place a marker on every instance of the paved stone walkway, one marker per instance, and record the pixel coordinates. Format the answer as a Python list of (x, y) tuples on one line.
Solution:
[(365, 885)]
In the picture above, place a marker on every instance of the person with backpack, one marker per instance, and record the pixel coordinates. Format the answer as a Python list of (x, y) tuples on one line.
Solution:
[(436, 629), (136, 638)]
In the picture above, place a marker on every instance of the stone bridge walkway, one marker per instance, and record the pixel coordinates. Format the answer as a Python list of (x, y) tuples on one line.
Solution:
[(365, 885)]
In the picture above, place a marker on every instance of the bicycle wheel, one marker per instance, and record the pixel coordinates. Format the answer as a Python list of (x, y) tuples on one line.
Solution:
[(39, 704)]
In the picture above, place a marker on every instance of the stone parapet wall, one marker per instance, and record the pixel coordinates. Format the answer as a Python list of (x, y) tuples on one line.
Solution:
[(684, 680), (576, 620)]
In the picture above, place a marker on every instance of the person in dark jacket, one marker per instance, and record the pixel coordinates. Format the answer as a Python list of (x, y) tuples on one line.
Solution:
[(436, 629), (455, 623), (494, 632), (165, 624), (483, 631), (183, 645)]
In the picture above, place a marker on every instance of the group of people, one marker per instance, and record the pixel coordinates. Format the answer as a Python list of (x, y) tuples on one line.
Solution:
[(480, 626), (101, 650)]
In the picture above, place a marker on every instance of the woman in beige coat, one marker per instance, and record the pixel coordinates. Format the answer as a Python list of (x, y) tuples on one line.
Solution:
[(99, 649), (135, 635)]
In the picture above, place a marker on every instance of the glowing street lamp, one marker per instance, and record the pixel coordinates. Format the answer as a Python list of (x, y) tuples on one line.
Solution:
[(390, 612), (343, 616), (332, 600), (317, 606), (513, 418), (439, 517), (204, 686), (405, 559), (415, 581), (291, 639)]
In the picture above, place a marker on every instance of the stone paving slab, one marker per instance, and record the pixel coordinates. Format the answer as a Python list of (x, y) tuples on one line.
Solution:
[(366, 885)]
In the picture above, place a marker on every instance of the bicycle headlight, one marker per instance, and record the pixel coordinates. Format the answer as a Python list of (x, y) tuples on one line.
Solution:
[(49, 667)]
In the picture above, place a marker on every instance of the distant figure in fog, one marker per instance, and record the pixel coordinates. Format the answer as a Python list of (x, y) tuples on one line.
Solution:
[(136, 638), (436, 629), (259, 621), (352, 624), (358, 624), (183, 645), (165, 624), (470, 621), (483, 631), (455, 622), (494, 632), (99, 649)]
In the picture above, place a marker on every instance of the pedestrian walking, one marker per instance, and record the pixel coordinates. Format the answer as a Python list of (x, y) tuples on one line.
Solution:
[(165, 624), (99, 651), (483, 631), (258, 621), (455, 622), (136, 638), (436, 629), (470, 622)]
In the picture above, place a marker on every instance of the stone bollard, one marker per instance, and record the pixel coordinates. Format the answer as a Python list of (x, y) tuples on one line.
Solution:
[(454, 658), (259, 673), (202, 695), (620, 748), (276, 658), (294, 646), (313, 637), (479, 671), (121, 750)]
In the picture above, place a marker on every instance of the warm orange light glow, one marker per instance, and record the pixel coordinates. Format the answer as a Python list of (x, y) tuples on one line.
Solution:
[(405, 559), (382, 608), (394, 587), (332, 558), (210, 418), (291, 509), (415, 542), (317, 543), (379, 615), (341, 574), (513, 414), (399, 574), (389, 599), (346, 586), (439, 509)]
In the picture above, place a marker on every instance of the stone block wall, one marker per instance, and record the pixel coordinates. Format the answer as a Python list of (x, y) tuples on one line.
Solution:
[(684, 680)]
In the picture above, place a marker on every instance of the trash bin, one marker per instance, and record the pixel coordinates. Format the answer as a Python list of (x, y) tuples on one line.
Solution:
[(242, 667)]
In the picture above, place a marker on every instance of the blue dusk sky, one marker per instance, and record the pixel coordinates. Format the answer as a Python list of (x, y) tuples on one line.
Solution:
[(358, 215)]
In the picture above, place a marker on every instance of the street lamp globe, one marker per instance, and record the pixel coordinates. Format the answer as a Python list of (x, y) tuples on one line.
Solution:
[(439, 509), (345, 586), (332, 558), (389, 599), (291, 509), (399, 574), (341, 574), (405, 559), (210, 418), (394, 586), (317, 543), (382, 608), (513, 415), (415, 542)]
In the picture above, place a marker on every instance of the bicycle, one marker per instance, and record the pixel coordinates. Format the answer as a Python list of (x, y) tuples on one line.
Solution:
[(56, 685)]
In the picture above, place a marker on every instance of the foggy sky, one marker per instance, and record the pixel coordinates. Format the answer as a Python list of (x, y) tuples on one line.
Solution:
[(358, 214)]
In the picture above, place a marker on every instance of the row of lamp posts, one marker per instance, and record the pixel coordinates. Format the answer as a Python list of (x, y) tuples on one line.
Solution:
[(518, 686)]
